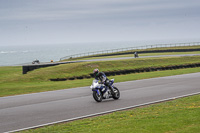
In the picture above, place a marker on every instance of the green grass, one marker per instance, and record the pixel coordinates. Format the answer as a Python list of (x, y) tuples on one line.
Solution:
[(85, 68), (13, 82), (177, 116), (17, 88)]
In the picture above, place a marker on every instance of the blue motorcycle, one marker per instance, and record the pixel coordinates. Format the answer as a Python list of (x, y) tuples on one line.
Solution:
[(100, 91)]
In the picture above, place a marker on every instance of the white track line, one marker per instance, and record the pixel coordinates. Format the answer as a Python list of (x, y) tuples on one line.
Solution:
[(106, 112)]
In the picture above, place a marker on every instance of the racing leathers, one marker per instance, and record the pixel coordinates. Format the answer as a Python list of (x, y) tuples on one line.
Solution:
[(104, 80)]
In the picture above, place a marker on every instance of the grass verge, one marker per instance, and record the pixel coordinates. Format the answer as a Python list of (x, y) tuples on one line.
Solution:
[(12, 82), (177, 116), (14, 88)]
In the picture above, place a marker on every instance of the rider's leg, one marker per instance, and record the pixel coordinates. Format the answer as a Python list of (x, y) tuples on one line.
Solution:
[(107, 83), (111, 89)]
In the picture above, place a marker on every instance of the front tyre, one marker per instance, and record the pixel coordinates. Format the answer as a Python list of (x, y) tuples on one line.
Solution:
[(116, 94), (97, 97)]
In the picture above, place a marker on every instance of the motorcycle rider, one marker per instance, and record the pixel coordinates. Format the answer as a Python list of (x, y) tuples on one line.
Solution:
[(102, 77)]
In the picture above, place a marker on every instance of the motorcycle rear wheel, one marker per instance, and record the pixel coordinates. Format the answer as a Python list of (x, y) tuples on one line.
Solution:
[(97, 97)]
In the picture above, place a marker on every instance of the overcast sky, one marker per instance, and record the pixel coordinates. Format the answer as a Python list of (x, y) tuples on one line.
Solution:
[(28, 22)]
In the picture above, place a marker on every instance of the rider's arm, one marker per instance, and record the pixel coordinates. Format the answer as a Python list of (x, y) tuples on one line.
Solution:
[(102, 77)]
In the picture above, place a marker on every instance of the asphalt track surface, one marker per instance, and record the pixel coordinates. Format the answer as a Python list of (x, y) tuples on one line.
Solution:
[(155, 56), (33, 110)]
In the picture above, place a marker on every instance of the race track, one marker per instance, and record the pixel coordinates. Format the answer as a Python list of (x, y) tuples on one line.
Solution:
[(30, 110)]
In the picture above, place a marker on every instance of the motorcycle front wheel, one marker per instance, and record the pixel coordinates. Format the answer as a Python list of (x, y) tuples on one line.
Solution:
[(116, 94), (97, 97)]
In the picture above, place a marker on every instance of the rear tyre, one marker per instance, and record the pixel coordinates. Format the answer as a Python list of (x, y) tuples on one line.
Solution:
[(97, 97), (116, 94)]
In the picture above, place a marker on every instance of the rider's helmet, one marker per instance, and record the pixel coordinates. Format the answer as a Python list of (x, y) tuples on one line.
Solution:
[(96, 71)]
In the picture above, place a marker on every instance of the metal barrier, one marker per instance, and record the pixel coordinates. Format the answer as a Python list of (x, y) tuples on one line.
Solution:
[(129, 49)]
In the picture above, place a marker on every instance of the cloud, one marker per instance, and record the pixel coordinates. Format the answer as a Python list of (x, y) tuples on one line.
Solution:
[(82, 20), (84, 9)]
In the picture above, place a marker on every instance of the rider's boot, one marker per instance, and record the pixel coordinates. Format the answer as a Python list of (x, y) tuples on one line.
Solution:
[(111, 89)]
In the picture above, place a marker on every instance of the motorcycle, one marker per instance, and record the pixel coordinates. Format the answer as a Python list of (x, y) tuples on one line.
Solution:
[(100, 91), (36, 61), (136, 55)]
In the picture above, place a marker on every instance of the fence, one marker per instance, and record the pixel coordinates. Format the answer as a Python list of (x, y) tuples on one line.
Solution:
[(130, 48)]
